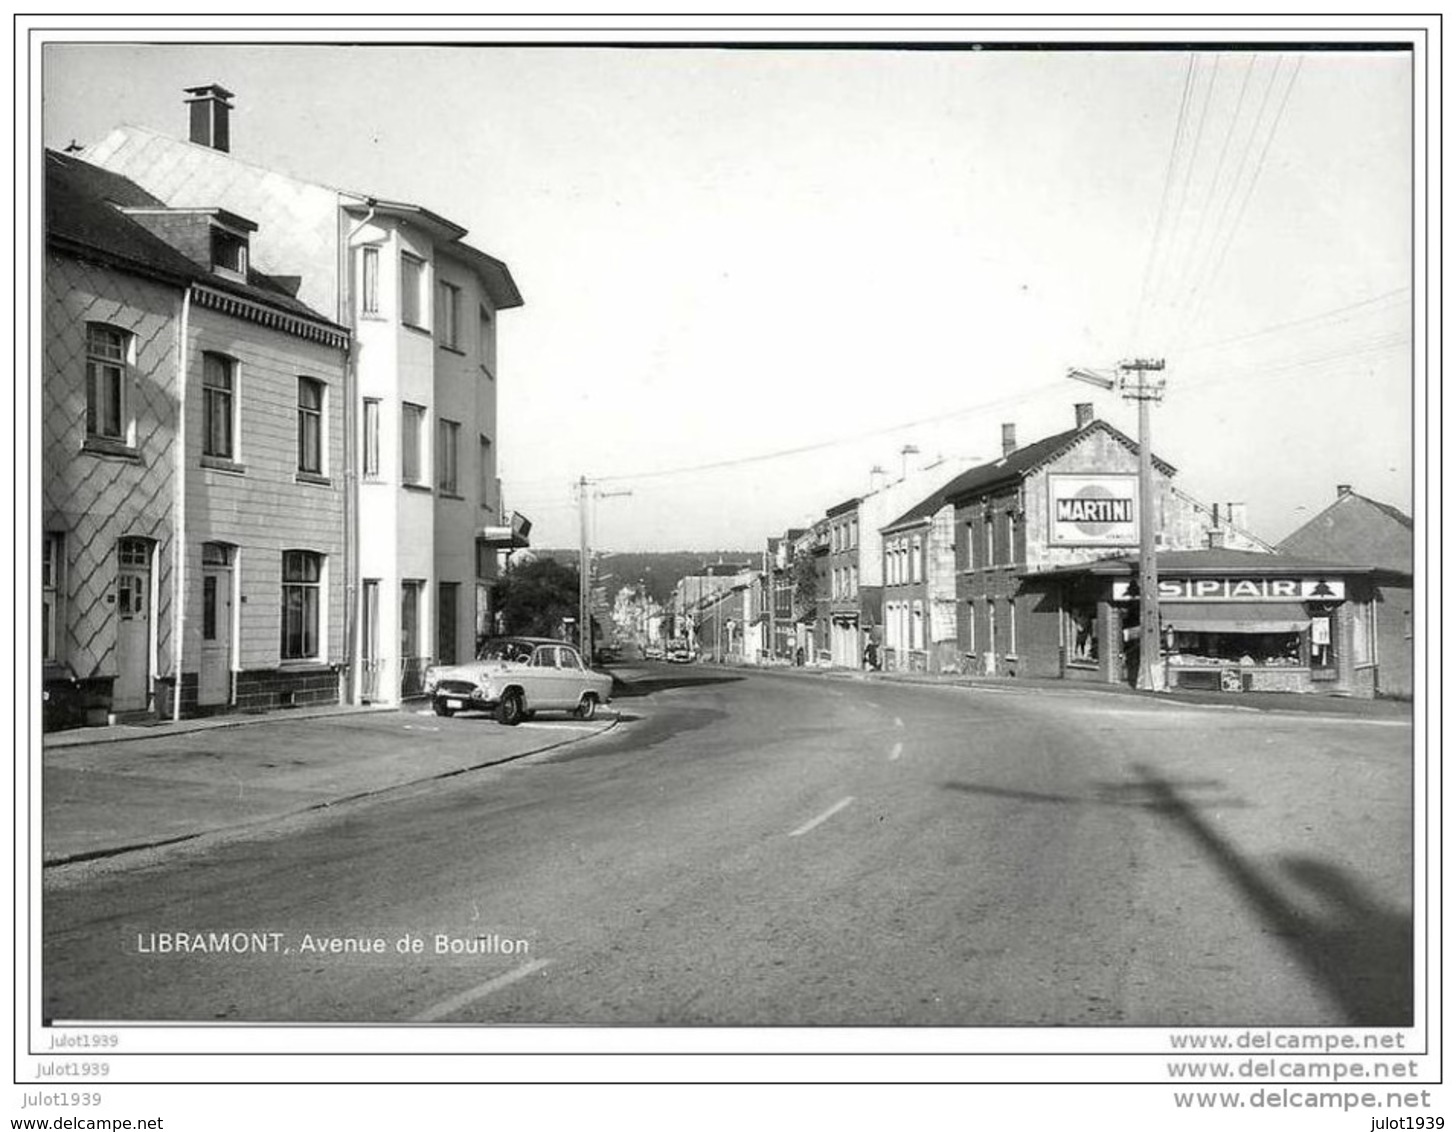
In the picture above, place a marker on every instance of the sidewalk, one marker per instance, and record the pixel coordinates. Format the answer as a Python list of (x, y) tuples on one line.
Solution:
[(1277, 702), (112, 790)]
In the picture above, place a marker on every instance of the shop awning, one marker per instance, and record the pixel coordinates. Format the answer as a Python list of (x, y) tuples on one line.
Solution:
[(1230, 617)]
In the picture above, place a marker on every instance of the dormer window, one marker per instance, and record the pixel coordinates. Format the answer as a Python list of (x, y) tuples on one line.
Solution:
[(229, 253)]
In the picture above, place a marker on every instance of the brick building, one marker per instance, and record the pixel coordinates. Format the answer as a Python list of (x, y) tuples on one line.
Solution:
[(1355, 528)]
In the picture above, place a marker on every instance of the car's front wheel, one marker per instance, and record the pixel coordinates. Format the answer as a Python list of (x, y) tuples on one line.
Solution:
[(587, 709), (511, 710), (441, 709)]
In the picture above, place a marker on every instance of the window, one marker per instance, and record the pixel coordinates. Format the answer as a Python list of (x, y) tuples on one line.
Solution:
[(409, 619), (445, 623), (1011, 532), (229, 252), (369, 281), (447, 457), (1010, 626), (302, 581), (52, 554), (1082, 633), (917, 626), (915, 567), (854, 532), (853, 581), (310, 426), (487, 341), (447, 315), (989, 559), (486, 464), (971, 626), (411, 290), (371, 438), (412, 442), (107, 359), (970, 546), (218, 405)]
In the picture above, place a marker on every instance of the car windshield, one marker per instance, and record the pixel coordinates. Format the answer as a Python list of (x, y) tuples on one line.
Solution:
[(519, 651)]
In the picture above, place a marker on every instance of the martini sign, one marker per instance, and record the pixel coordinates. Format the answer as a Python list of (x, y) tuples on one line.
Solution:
[(1093, 510)]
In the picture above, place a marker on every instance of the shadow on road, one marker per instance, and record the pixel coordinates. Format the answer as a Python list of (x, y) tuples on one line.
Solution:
[(1360, 951), (647, 685)]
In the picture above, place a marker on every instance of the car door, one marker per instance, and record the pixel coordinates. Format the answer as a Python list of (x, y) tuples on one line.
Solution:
[(543, 683), (573, 676)]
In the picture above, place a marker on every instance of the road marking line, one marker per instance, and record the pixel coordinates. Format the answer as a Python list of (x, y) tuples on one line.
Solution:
[(895, 754), (451, 1005), (825, 816)]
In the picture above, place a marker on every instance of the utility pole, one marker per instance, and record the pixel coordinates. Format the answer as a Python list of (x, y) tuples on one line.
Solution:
[(1136, 385), (583, 613), (584, 633)]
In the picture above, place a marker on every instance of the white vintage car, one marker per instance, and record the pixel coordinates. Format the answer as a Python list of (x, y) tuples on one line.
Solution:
[(514, 676)]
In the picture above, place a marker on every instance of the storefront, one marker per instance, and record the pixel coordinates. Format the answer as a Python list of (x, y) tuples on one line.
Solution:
[(1230, 621)]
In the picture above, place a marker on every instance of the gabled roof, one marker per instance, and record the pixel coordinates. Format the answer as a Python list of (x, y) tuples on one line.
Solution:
[(1019, 464), (83, 214), (842, 508), (1355, 526)]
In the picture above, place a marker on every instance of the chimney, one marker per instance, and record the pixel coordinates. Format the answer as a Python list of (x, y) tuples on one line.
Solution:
[(1008, 439), (1084, 413), (1236, 515), (209, 115), (1342, 490), (1217, 538)]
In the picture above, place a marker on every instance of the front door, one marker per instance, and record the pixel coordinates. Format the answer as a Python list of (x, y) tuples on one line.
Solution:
[(215, 680), (131, 692)]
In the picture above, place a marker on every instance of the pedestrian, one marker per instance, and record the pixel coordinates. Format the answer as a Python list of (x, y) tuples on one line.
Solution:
[(799, 657), (871, 655)]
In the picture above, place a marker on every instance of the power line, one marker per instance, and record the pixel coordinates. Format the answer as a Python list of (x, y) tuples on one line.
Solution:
[(1314, 318), (821, 445), (1211, 277), (1153, 248), (1228, 137)]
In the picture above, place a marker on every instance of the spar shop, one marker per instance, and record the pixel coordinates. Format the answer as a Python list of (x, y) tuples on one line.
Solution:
[(1230, 620)]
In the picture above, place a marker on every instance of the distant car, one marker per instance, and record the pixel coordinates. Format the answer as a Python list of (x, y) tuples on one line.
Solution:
[(653, 652), (680, 654), (512, 676), (608, 654)]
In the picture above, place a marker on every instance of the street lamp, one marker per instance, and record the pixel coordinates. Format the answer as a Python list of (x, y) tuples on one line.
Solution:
[(1137, 386)]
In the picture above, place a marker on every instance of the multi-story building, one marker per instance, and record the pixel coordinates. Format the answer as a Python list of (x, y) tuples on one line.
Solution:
[(842, 567), (1045, 584), (419, 426), (194, 555)]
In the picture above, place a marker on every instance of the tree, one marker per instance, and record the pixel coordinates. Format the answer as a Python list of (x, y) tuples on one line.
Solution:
[(534, 598), (806, 584)]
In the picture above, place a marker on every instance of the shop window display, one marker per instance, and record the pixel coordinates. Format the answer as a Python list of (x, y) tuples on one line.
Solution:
[(1246, 650)]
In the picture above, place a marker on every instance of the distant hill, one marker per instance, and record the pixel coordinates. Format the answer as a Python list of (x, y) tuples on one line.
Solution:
[(658, 571)]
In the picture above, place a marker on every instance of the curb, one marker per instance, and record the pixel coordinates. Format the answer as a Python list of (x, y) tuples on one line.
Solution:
[(85, 736), (104, 854), (1073, 688)]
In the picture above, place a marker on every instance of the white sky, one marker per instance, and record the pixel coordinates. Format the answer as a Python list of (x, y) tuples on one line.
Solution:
[(731, 253)]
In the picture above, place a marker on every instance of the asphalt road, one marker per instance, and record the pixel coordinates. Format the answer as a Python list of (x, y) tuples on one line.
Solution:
[(778, 849)]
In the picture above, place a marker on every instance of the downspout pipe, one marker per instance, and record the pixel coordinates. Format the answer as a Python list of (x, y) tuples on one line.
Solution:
[(179, 510), (354, 684)]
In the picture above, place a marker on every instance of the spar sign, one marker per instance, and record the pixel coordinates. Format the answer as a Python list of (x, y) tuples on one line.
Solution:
[(1093, 510)]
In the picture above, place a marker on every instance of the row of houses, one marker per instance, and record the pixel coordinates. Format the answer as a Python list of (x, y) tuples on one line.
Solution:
[(268, 468), (1027, 566)]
